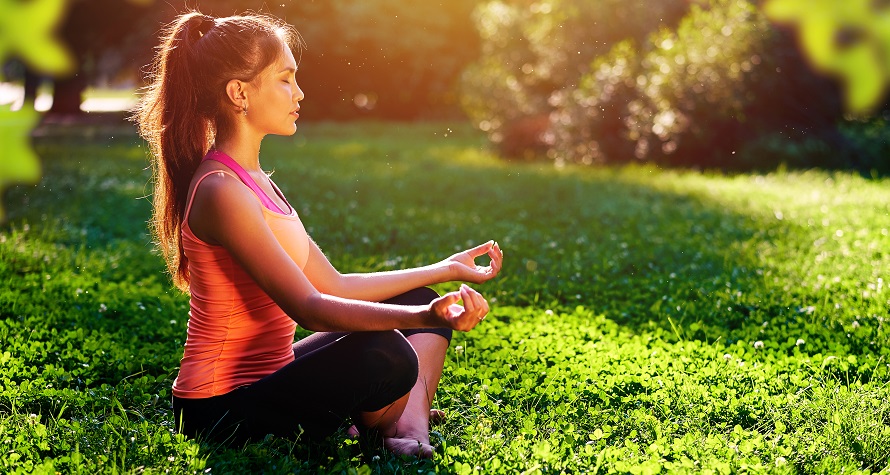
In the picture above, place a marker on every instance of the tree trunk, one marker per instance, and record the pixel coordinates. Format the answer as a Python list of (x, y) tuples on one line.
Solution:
[(67, 95)]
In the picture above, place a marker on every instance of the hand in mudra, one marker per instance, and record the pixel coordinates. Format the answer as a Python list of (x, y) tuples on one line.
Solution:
[(460, 317), (463, 264)]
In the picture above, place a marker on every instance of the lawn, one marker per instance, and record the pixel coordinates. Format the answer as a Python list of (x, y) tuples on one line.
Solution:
[(646, 320)]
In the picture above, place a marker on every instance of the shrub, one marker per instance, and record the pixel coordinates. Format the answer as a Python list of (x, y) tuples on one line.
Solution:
[(696, 96), (529, 49), (589, 124)]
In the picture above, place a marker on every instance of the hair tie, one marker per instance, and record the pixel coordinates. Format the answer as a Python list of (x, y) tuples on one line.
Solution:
[(207, 22)]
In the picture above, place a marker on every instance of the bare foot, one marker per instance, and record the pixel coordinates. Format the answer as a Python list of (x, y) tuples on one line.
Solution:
[(437, 416), (407, 446)]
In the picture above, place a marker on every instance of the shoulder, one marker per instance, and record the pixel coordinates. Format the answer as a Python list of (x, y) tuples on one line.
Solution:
[(215, 188), (220, 203)]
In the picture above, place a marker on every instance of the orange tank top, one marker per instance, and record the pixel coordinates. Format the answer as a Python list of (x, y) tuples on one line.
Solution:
[(236, 334)]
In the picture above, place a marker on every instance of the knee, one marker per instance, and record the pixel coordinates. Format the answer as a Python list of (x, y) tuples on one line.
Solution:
[(424, 295), (392, 356)]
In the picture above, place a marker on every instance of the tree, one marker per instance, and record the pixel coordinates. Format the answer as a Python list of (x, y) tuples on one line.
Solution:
[(91, 29), (383, 58), (534, 49), (374, 58)]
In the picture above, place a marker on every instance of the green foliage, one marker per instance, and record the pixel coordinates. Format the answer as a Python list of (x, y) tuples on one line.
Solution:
[(722, 87), (700, 95), (590, 123), (384, 58), (375, 58), (18, 164), (725, 80), (530, 49), (26, 31), (848, 39), (646, 321)]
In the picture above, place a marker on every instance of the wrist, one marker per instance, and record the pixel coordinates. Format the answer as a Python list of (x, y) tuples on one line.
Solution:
[(430, 318), (447, 271)]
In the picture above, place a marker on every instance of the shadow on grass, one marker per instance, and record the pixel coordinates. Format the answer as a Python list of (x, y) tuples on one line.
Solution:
[(702, 256)]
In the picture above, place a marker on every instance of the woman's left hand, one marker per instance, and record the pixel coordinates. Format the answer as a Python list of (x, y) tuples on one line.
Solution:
[(463, 264)]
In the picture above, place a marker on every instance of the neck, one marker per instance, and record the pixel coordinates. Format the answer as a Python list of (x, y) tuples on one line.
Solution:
[(243, 147)]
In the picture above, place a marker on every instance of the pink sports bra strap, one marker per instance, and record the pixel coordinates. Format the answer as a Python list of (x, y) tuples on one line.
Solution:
[(245, 178)]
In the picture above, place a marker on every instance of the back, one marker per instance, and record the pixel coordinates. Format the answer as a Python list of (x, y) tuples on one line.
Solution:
[(236, 333)]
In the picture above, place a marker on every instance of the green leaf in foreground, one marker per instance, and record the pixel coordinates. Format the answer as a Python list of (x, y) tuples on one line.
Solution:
[(849, 39), (26, 31), (18, 163)]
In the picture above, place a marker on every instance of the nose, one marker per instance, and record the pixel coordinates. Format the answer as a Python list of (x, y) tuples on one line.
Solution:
[(298, 93)]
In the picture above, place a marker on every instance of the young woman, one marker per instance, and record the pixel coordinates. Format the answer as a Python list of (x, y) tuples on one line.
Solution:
[(237, 246)]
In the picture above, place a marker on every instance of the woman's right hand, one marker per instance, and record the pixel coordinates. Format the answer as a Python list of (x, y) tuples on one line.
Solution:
[(461, 318)]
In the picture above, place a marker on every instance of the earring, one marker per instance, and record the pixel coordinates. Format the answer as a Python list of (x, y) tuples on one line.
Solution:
[(243, 110)]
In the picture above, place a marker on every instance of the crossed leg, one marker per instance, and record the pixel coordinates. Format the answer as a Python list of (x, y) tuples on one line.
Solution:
[(403, 424), (412, 430)]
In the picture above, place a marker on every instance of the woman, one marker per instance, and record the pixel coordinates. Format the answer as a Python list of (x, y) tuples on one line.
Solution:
[(231, 239)]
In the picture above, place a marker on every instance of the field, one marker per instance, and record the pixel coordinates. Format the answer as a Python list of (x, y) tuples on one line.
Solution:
[(646, 320)]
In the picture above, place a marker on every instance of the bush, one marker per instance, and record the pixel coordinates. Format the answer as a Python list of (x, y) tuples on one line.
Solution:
[(721, 87), (589, 124), (725, 79), (530, 49)]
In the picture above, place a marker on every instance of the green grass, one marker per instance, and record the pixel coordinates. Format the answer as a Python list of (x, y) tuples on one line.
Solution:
[(645, 321)]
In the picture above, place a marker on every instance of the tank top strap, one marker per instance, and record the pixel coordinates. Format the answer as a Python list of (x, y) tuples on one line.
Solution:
[(188, 206), (245, 178)]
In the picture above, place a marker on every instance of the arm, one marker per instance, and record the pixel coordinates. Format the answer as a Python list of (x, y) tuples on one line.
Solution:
[(377, 286), (226, 213)]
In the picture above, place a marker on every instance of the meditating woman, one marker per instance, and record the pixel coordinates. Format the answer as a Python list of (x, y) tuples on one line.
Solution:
[(233, 242)]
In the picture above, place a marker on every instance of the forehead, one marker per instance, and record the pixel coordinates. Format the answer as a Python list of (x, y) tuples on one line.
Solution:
[(285, 59)]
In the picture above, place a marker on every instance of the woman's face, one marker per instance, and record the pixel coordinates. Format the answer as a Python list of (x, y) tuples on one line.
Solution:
[(274, 99)]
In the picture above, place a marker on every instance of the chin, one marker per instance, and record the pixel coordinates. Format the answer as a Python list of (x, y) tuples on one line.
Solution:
[(287, 132)]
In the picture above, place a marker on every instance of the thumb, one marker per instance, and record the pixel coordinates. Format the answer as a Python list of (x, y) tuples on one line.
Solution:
[(448, 299)]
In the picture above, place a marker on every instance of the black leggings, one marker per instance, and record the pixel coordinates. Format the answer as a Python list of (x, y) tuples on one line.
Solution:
[(333, 377)]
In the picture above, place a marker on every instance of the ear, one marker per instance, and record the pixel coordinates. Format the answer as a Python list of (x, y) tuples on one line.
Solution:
[(236, 91)]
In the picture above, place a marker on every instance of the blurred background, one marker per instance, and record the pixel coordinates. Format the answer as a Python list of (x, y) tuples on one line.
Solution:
[(714, 84)]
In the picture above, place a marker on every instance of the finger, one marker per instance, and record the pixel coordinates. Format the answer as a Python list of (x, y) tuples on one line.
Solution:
[(496, 253), (480, 249), (477, 303), (481, 305), (497, 257), (467, 297), (452, 297)]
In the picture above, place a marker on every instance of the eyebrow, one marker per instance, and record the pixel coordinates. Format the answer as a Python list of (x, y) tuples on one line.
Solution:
[(288, 69)]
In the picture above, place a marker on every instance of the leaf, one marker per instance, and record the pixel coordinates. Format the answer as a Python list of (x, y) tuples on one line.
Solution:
[(817, 36), (862, 66), (864, 77), (18, 163), (786, 10), (26, 30)]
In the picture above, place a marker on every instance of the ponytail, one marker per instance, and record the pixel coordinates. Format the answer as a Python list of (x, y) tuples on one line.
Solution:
[(185, 105)]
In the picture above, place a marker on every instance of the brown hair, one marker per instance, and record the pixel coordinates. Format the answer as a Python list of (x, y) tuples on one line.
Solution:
[(185, 106)]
